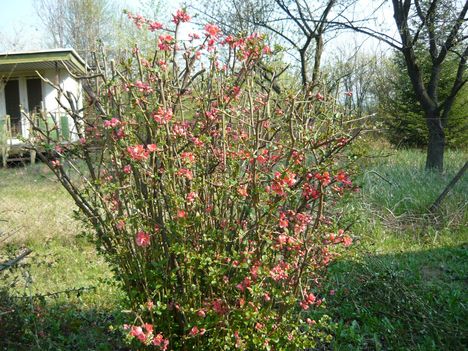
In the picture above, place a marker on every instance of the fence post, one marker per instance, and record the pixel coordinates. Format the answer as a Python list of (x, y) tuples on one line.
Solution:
[(32, 121), (5, 138)]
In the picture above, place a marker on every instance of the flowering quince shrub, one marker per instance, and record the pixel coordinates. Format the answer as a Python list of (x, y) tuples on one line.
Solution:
[(211, 195)]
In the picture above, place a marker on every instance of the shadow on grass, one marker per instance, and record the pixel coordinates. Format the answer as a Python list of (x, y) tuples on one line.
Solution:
[(407, 301), (51, 325)]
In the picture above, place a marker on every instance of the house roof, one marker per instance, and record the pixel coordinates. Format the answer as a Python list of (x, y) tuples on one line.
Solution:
[(41, 60)]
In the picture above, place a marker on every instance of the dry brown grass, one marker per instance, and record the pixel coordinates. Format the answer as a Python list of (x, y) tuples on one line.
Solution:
[(35, 206)]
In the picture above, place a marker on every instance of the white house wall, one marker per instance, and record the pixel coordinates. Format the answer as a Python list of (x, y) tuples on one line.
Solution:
[(67, 84), (70, 84), (2, 100), (49, 93)]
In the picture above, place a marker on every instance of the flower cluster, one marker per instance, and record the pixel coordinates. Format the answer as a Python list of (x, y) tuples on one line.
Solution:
[(212, 195), (145, 335)]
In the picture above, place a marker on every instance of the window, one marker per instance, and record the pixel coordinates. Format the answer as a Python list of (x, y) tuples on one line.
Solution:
[(12, 104), (15, 94), (34, 88)]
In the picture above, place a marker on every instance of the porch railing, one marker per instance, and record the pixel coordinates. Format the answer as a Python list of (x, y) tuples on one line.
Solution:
[(57, 129), (5, 137)]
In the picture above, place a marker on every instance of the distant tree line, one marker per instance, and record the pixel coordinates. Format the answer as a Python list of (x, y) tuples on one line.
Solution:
[(419, 93)]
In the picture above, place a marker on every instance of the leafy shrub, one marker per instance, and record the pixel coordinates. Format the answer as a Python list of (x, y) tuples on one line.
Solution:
[(211, 193)]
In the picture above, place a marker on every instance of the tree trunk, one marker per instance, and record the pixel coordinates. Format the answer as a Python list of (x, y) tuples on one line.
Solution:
[(317, 59), (302, 54), (436, 144)]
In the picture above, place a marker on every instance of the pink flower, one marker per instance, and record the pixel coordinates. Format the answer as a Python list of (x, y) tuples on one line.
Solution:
[(55, 163), (188, 157), (324, 178), (138, 333), (190, 198), (165, 42), (277, 187), (162, 64), (180, 16), (343, 178), (149, 328), (151, 147), (347, 240), (143, 239), (139, 20), (201, 313), (181, 214), (120, 224), (212, 30), (143, 87), (279, 272), (194, 331), (242, 191), (309, 192), (184, 172), (245, 284), (112, 123), (304, 305), (162, 116), (219, 306), (152, 26), (159, 340), (197, 142), (127, 169), (180, 129), (290, 178), (283, 220), (138, 152)]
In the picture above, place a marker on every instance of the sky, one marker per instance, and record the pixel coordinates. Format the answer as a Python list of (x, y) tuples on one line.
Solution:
[(18, 20), (20, 23)]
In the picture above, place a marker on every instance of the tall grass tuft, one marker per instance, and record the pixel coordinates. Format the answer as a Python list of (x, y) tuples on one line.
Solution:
[(398, 184)]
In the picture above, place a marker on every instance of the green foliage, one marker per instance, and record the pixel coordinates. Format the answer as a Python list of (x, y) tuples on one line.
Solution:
[(402, 285), (400, 288), (211, 195), (401, 113)]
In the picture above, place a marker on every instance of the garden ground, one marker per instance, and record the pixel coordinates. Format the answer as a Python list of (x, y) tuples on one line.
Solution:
[(402, 286)]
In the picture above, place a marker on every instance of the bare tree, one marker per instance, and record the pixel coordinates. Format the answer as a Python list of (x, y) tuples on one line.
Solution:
[(298, 24), (436, 28), (80, 24)]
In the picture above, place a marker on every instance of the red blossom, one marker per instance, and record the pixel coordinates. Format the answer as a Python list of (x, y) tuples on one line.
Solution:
[(180, 16), (143, 87), (280, 271), (242, 191), (165, 41), (347, 240), (162, 116), (153, 26), (143, 239), (190, 198), (112, 123), (212, 30), (184, 172)]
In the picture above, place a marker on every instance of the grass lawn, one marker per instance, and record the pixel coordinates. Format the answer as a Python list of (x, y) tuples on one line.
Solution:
[(402, 286), (85, 300)]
